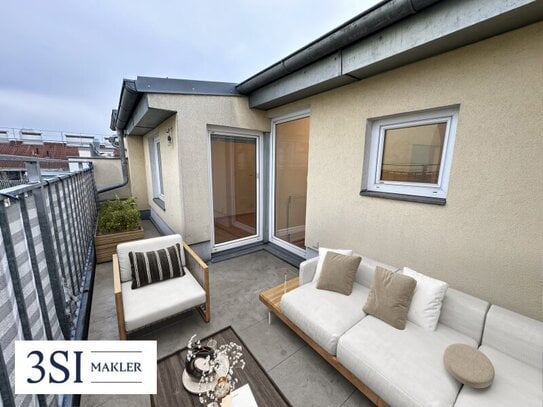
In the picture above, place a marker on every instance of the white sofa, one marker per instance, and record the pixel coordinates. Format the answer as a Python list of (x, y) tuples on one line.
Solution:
[(326, 315), (405, 367)]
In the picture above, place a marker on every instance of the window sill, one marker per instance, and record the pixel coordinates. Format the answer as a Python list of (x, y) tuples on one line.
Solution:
[(401, 197), (160, 203)]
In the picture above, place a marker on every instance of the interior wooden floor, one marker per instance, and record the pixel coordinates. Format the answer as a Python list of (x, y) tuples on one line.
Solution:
[(227, 229)]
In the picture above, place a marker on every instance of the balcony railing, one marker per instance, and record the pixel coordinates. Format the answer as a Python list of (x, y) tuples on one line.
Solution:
[(46, 267)]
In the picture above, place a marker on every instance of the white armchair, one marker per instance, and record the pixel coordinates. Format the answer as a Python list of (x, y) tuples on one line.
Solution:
[(143, 306)]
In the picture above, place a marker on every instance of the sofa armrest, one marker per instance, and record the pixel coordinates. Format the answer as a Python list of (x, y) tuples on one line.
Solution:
[(117, 290), (307, 270), (200, 271)]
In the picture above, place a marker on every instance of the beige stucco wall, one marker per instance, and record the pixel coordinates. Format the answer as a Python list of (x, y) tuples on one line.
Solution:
[(137, 170), (173, 212), (487, 239), (189, 154), (107, 171)]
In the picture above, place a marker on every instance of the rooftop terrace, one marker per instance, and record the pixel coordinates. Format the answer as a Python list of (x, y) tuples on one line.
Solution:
[(302, 375)]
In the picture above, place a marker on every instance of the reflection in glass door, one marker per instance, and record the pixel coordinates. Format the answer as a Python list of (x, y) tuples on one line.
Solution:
[(234, 172), (290, 156)]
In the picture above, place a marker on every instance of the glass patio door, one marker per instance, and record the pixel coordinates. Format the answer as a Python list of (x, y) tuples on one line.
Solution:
[(235, 163), (290, 146)]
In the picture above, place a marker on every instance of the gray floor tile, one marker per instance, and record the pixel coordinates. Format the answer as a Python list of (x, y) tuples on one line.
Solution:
[(308, 380), (142, 400), (149, 229), (271, 344), (357, 399)]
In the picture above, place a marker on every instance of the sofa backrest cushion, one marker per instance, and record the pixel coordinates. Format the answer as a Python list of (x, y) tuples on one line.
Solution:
[(427, 301), (515, 335), (464, 313), (366, 270), (144, 245)]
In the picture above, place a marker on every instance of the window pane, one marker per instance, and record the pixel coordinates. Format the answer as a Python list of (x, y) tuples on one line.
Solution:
[(233, 167), (159, 168), (413, 154), (291, 153)]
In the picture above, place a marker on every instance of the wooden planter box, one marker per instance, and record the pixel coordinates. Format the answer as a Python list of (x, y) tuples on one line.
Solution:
[(106, 245)]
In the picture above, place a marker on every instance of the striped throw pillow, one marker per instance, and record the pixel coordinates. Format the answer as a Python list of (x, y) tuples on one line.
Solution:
[(156, 265)]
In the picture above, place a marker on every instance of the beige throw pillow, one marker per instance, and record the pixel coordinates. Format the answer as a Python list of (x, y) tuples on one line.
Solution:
[(390, 297), (322, 255), (338, 273)]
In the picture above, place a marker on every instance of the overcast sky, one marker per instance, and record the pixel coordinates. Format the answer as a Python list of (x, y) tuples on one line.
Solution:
[(62, 62)]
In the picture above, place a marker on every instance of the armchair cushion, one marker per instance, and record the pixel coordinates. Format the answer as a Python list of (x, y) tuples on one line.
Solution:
[(160, 300), (155, 265), (143, 246)]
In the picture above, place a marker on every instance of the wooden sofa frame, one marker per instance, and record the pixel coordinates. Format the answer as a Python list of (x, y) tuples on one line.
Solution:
[(272, 298), (194, 262)]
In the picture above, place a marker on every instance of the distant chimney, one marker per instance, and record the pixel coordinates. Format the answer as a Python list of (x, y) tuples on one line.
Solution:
[(4, 136), (31, 137), (77, 140)]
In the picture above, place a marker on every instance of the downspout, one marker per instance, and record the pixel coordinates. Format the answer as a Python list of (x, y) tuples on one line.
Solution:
[(119, 118), (124, 166)]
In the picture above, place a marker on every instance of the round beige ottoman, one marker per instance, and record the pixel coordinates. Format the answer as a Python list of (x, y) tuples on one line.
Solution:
[(468, 365)]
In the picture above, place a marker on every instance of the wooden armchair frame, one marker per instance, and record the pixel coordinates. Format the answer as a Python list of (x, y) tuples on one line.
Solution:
[(194, 264)]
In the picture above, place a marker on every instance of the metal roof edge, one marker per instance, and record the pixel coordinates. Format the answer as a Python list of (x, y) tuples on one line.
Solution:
[(376, 18)]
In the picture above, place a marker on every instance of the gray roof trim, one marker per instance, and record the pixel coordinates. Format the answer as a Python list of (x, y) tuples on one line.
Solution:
[(133, 90), (446, 25), (147, 84), (145, 118), (379, 17)]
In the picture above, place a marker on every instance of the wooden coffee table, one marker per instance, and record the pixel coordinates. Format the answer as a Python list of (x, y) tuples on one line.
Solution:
[(170, 390)]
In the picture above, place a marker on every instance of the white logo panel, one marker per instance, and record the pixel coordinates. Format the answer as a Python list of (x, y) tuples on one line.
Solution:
[(85, 367)]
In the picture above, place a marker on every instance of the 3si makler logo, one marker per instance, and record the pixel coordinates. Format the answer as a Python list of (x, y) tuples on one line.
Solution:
[(58, 360), (116, 367), (85, 367)]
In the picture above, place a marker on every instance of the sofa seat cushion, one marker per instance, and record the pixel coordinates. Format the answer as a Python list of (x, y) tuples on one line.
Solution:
[(515, 384), (404, 367), (324, 315), (152, 303)]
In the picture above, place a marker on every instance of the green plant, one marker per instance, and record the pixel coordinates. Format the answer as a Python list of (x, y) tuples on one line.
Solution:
[(118, 216)]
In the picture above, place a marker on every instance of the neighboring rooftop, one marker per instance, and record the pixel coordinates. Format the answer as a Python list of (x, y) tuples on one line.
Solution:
[(49, 150)]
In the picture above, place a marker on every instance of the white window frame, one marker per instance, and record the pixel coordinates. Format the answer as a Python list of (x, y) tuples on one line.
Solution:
[(375, 142), (158, 179), (242, 133), (300, 114)]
